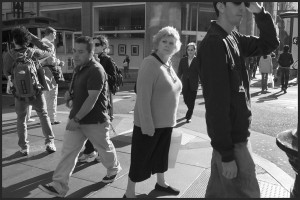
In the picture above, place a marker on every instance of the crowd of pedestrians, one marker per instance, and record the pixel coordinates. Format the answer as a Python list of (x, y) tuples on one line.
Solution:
[(219, 62)]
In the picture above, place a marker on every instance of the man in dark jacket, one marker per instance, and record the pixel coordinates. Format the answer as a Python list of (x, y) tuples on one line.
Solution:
[(285, 60), (227, 99)]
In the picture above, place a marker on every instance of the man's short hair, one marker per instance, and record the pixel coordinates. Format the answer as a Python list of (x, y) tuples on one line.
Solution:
[(88, 41), (21, 36), (216, 9), (49, 30)]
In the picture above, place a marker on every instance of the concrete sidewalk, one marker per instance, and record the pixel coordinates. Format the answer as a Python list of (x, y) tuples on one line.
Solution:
[(22, 175)]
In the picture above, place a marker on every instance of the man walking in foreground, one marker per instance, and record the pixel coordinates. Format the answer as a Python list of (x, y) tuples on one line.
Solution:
[(88, 119), (227, 99)]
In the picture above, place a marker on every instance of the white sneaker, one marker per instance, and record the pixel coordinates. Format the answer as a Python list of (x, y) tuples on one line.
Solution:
[(50, 147), (24, 152), (87, 157), (30, 120)]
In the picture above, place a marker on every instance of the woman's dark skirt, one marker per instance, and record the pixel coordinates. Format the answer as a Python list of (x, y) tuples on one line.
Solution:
[(149, 154)]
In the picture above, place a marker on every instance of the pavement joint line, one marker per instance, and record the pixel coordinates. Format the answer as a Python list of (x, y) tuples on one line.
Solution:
[(201, 135), (192, 182), (109, 185)]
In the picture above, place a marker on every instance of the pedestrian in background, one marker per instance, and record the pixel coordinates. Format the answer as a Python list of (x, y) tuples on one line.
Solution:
[(158, 91), (188, 72), (252, 66), (227, 98), (51, 62), (266, 69), (88, 119), (275, 65), (126, 62), (100, 55), (21, 39), (256, 58), (285, 60)]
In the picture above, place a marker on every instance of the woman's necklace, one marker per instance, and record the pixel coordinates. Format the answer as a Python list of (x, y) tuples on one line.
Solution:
[(166, 66)]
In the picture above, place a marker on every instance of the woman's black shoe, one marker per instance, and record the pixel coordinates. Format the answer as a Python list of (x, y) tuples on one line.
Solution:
[(168, 189)]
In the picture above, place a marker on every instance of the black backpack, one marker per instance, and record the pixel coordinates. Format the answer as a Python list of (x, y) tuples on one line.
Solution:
[(26, 85), (115, 80)]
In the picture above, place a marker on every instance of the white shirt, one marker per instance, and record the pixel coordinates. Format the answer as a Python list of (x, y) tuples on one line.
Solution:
[(190, 61)]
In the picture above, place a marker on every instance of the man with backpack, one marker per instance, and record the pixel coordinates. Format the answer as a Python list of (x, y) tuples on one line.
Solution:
[(20, 64)]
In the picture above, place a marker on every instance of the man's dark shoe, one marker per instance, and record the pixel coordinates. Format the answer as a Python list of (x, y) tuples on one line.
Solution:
[(55, 122), (168, 189), (284, 90), (50, 190), (109, 179)]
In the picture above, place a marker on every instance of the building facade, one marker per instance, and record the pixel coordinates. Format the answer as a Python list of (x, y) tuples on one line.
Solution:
[(130, 26)]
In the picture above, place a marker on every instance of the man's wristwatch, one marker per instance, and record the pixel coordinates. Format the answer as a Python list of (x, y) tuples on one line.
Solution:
[(76, 119)]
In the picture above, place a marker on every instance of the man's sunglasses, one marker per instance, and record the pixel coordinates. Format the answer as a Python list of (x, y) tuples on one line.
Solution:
[(97, 44), (247, 4)]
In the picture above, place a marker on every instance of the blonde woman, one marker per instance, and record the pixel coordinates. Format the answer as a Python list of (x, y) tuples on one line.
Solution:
[(158, 90)]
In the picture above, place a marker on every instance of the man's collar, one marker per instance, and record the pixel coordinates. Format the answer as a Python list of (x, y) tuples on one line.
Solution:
[(45, 38), (218, 28)]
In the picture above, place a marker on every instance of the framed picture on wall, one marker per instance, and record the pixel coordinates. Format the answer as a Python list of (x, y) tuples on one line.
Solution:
[(134, 50), (111, 50), (122, 49)]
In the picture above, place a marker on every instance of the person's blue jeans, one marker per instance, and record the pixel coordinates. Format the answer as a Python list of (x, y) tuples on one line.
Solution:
[(264, 81), (245, 185), (39, 104), (73, 142), (285, 76)]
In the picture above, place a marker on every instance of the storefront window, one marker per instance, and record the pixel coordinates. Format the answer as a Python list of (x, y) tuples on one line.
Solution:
[(68, 42), (59, 44), (284, 27), (189, 17), (121, 18)]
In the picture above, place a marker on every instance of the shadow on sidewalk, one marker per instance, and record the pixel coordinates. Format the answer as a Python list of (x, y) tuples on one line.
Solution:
[(83, 192), (24, 188), (17, 155), (154, 194), (14, 128), (180, 122), (271, 97)]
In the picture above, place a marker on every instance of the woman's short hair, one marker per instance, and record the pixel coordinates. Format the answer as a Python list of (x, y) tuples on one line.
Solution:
[(286, 48), (167, 31), (90, 46)]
